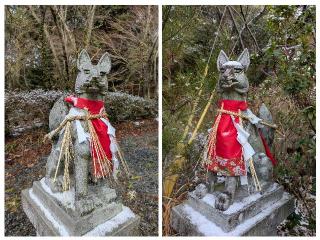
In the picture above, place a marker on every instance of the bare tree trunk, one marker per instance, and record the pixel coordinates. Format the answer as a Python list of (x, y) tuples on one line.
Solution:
[(236, 27), (155, 71), (63, 17), (90, 21), (146, 67), (49, 39), (62, 37)]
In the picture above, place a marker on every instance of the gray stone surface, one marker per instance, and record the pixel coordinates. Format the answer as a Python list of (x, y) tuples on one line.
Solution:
[(233, 84), (51, 217), (89, 203), (241, 210), (259, 217), (90, 84)]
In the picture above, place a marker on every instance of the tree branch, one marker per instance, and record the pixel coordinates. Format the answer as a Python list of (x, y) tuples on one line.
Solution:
[(236, 27)]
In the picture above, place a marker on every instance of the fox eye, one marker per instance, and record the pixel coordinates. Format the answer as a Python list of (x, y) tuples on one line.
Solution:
[(86, 71), (102, 74), (222, 70), (238, 70)]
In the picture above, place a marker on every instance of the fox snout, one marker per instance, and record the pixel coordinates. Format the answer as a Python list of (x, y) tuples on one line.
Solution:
[(93, 81), (228, 75)]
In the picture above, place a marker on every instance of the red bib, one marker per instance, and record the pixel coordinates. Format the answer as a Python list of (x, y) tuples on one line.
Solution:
[(226, 157), (95, 107)]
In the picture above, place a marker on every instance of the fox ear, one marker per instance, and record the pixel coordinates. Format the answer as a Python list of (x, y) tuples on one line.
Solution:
[(105, 63), (83, 60), (222, 58), (244, 58)]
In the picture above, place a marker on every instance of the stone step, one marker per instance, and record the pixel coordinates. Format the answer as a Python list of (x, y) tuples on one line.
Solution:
[(189, 222), (49, 223), (77, 225), (40, 221), (239, 211)]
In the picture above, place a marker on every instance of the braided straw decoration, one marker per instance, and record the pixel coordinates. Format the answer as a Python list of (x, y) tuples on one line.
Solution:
[(274, 126), (67, 152), (211, 146), (247, 118), (54, 132), (96, 147)]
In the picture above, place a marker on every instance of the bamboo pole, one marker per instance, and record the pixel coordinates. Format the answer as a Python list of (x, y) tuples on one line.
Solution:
[(195, 105), (201, 119), (179, 158)]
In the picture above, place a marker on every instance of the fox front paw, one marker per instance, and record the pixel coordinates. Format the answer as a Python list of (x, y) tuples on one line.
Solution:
[(85, 206), (223, 201), (55, 185)]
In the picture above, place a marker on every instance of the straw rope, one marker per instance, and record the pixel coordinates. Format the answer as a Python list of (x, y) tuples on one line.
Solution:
[(54, 132), (212, 140), (67, 150), (274, 126), (251, 165)]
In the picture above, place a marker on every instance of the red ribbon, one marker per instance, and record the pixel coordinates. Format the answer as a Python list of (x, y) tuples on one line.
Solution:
[(267, 149)]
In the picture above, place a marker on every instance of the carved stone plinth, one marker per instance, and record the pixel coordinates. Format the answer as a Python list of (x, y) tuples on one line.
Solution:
[(54, 214), (254, 215)]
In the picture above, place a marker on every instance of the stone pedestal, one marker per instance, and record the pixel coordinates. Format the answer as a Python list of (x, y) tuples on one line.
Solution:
[(254, 215), (53, 214)]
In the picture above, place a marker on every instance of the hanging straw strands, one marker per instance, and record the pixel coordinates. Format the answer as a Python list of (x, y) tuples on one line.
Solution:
[(66, 152), (96, 148), (254, 175), (211, 146), (123, 161)]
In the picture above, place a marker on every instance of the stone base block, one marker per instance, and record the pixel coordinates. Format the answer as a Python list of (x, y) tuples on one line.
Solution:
[(255, 215), (53, 214)]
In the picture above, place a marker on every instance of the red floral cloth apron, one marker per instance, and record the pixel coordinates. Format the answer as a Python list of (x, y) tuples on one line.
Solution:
[(226, 154)]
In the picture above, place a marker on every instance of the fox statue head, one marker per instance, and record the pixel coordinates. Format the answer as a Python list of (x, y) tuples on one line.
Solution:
[(92, 79), (233, 80)]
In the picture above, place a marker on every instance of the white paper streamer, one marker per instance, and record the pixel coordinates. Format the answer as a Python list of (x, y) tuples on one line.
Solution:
[(111, 129), (82, 135), (247, 149)]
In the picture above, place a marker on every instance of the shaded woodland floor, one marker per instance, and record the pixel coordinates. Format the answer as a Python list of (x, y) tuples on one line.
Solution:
[(26, 159)]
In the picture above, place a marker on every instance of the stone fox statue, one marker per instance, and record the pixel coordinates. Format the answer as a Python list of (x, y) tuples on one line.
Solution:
[(238, 143), (88, 161)]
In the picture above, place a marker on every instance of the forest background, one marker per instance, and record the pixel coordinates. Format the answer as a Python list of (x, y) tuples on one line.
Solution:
[(42, 44), (282, 74)]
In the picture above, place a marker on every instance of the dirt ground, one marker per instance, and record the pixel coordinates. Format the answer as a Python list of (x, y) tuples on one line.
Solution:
[(25, 159)]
